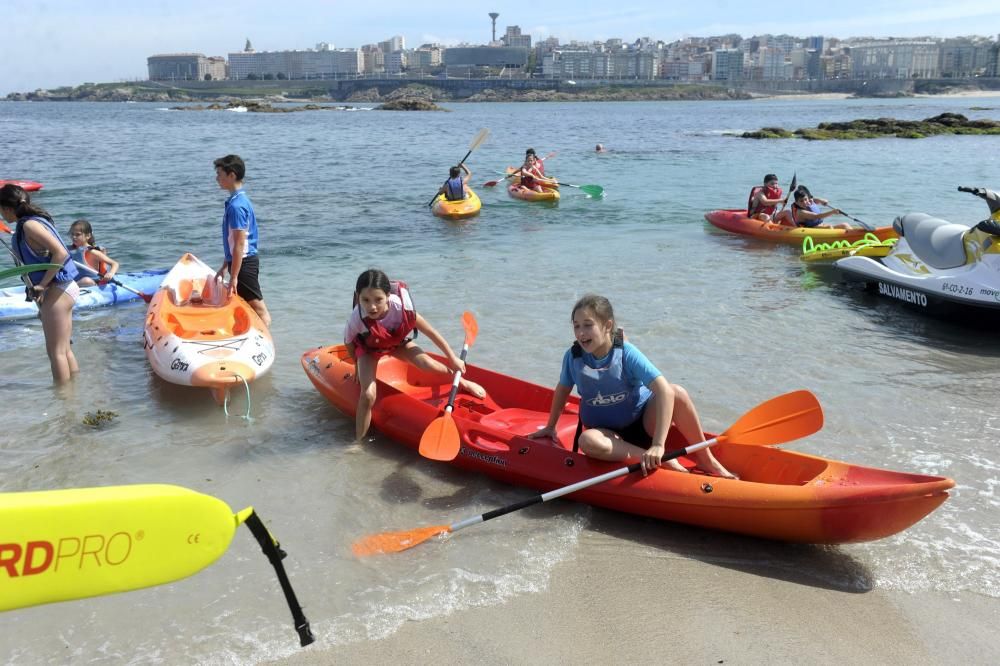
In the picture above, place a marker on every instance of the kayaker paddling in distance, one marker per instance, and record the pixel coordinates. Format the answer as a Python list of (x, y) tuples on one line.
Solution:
[(532, 173), (454, 189), (239, 236), (626, 404), (763, 199), (84, 250), (55, 290), (381, 323)]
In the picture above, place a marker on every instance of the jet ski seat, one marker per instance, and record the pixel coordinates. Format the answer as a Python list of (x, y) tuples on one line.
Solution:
[(937, 242)]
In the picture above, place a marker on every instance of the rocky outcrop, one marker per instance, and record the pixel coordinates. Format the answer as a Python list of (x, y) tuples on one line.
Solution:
[(945, 123), (410, 104), (258, 107)]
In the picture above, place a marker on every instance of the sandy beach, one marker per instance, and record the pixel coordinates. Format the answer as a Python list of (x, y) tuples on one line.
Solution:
[(638, 594)]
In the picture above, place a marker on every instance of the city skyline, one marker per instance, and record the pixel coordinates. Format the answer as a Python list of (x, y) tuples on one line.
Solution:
[(66, 44)]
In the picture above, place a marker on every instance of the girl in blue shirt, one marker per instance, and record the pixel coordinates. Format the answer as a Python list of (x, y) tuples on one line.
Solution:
[(626, 405)]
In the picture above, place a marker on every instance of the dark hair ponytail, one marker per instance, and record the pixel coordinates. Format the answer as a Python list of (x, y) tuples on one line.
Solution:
[(14, 197)]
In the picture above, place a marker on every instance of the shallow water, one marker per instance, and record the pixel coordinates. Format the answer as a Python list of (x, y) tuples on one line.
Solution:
[(735, 321)]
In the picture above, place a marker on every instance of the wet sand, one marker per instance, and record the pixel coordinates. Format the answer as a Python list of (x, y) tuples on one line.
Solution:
[(627, 599)]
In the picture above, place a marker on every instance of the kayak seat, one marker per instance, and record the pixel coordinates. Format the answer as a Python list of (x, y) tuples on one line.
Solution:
[(524, 421), (219, 323), (937, 242)]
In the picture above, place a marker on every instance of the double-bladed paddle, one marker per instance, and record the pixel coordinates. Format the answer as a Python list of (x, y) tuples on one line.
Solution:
[(476, 142), (780, 419), (493, 183), (791, 191), (441, 440)]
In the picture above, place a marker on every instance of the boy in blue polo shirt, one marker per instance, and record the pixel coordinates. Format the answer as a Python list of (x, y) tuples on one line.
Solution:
[(239, 236)]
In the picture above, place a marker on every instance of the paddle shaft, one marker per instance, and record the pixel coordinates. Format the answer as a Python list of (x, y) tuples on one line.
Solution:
[(479, 138), (457, 379), (864, 225), (580, 485), (90, 269)]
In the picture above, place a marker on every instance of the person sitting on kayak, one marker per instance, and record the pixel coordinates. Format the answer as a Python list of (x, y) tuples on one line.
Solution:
[(763, 199), (626, 405), (382, 322), (806, 212), (532, 174), (87, 254), (454, 189)]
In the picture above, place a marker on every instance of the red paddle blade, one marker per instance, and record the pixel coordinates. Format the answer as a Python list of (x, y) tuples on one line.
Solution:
[(441, 440), (4, 228), (780, 419), (471, 327), (490, 183), (394, 542)]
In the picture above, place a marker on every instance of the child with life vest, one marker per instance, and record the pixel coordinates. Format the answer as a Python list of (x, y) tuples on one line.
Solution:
[(455, 188), (763, 199), (626, 405), (383, 322), (87, 254), (532, 173)]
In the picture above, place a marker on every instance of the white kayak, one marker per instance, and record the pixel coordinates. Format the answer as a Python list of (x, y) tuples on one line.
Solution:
[(197, 334)]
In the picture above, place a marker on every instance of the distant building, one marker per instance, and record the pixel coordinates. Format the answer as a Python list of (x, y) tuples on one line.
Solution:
[(185, 66), (307, 64), (895, 59), (485, 56), (964, 57), (727, 65), (513, 37)]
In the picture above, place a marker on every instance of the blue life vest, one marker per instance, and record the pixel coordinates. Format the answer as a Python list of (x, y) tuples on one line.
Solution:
[(453, 190), (607, 400), (28, 256)]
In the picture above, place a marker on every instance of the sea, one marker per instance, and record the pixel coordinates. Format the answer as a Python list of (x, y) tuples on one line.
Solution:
[(735, 321)]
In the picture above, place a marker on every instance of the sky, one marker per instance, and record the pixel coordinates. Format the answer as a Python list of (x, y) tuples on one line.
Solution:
[(50, 43)]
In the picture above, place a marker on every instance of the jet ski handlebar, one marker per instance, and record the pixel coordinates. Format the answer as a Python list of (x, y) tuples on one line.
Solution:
[(990, 226), (978, 191)]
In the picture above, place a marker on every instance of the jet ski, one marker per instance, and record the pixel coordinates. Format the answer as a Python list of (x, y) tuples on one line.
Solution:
[(938, 267)]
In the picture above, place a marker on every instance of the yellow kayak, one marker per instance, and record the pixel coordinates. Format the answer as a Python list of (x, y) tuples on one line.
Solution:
[(457, 210)]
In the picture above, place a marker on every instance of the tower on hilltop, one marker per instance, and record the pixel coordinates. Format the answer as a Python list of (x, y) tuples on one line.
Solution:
[(494, 15)]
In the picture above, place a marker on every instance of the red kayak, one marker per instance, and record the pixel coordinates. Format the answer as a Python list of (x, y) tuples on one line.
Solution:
[(26, 185), (737, 222), (780, 495)]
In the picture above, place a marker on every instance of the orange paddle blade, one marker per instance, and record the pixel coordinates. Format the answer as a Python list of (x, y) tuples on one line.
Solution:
[(780, 419), (394, 542), (471, 327), (4, 228), (440, 440)]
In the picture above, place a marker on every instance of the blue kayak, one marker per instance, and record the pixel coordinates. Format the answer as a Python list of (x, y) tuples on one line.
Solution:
[(13, 306)]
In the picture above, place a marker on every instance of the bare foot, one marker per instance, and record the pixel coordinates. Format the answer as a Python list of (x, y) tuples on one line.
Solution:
[(675, 466), (715, 468), (472, 388)]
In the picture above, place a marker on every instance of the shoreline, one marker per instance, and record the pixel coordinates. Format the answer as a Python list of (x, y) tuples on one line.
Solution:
[(665, 606)]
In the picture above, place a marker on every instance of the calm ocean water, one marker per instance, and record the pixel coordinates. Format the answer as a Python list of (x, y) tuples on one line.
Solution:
[(735, 321)]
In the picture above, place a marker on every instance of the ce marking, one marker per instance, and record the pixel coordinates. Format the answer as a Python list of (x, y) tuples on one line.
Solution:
[(194, 538)]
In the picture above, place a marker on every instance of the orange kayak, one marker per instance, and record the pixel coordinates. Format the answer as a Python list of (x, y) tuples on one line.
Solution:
[(197, 334), (26, 185), (781, 494), (550, 193), (737, 222), (457, 210)]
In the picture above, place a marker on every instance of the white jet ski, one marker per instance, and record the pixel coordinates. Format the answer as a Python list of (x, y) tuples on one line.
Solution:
[(937, 266)]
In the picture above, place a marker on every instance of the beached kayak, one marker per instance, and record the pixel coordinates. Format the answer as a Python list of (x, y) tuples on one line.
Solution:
[(737, 222), (781, 494), (457, 210), (26, 185), (197, 334), (13, 306)]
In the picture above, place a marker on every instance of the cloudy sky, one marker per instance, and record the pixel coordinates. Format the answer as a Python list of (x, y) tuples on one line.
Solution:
[(49, 43)]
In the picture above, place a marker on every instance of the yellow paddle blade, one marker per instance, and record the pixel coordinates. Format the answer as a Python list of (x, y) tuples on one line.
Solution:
[(780, 419), (440, 440), (479, 138), (394, 542), (71, 544)]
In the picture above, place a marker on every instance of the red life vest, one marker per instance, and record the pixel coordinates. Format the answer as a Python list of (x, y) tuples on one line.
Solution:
[(769, 193), (380, 340)]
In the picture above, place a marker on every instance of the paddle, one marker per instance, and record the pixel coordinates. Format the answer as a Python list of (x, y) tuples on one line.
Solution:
[(4, 228), (440, 440), (145, 297), (864, 225), (60, 545), (476, 141), (25, 269), (791, 190), (493, 183), (781, 419), (595, 191)]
